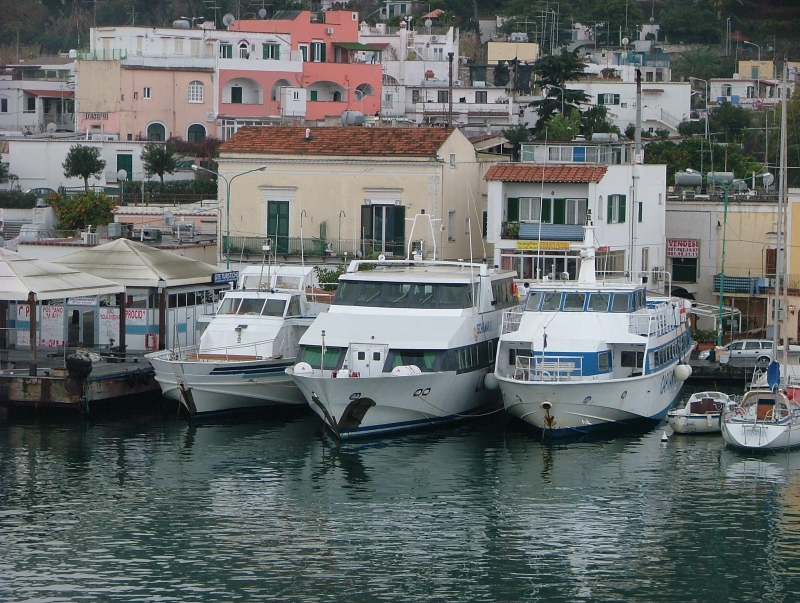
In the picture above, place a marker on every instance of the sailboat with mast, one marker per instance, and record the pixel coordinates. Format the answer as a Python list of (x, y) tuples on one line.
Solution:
[(768, 418)]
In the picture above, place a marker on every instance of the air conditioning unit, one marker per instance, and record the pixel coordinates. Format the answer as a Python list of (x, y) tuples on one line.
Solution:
[(434, 39), (329, 31), (657, 272)]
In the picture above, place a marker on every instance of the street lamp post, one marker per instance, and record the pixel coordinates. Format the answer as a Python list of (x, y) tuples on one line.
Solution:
[(726, 187), (228, 205), (562, 97)]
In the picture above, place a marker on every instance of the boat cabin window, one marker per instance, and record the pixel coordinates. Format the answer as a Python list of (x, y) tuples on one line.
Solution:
[(274, 307), (632, 359), (229, 305), (534, 301), (283, 281), (404, 295), (334, 357), (427, 360), (423, 296), (369, 295), (621, 302), (395, 295), (250, 306), (252, 281), (573, 302), (294, 307), (641, 297), (603, 361), (346, 293), (503, 295), (454, 296), (551, 302), (598, 302)]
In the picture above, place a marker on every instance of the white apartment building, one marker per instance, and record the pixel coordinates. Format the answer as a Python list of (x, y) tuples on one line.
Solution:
[(38, 96)]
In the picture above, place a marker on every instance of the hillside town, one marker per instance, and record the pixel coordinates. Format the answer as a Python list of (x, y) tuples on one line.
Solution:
[(317, 136)]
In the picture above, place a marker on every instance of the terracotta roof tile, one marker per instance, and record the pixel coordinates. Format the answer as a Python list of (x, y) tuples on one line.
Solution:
[(531, 172), (338, 140)]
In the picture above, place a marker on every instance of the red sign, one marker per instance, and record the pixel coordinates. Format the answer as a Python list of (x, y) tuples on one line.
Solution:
[(682, 248)]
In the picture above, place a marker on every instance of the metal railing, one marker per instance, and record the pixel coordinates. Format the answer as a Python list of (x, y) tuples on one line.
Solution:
[(311, 246), (548, 368)]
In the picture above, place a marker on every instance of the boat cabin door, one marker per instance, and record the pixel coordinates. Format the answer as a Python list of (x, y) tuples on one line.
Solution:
[(367, 359)]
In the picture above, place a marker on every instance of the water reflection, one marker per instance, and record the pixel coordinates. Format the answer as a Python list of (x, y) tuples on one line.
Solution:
[(270, 508)]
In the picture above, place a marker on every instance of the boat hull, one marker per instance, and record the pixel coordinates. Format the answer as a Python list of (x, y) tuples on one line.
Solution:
[(563, 409), (758, 435), (206, 388), (694, 423), (395, 403)]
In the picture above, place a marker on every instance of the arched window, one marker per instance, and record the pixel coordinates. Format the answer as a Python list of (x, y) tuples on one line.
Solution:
[(364, 90), (243, 50), (196, 133), (156, 131), (337, 96), (196, 91)]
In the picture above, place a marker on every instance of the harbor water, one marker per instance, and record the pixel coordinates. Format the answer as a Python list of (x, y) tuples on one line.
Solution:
[(261, 507)]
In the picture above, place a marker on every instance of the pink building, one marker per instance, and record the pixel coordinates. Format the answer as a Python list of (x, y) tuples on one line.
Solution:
[(325, 59)]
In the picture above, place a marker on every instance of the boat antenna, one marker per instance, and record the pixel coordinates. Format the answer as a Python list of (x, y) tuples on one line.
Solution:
[(477, 218), (780, 251), (539, 261)]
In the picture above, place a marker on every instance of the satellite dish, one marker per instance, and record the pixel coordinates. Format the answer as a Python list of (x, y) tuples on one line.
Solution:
[(169, 218), (262, 12), (122, 174), (625, 41), (564, 276), (768, 179), (228, 20), (51, 128), (428, 22), (381, 258)]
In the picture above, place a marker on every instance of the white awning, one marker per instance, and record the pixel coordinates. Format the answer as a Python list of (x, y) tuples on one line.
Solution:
[(21, 275), (135, 264)]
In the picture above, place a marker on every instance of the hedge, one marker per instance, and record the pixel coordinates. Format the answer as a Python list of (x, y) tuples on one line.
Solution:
[(17, 200)]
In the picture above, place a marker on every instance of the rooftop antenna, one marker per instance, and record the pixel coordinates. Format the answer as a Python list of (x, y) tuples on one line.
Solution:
[(211, 5)]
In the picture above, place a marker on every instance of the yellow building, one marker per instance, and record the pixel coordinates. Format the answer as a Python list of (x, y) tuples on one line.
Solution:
[(354, 190), (755, 70)]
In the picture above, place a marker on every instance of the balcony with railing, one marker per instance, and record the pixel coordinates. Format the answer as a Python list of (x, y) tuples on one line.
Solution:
[(241, 246), (533, 231)]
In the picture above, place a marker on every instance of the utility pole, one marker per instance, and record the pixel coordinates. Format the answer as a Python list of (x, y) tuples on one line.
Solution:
[(450, 91)]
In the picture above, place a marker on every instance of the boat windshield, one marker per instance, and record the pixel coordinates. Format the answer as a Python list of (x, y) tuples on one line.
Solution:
[(250, 306), (424, 359), (229, 305), (403, 295), (334, 357), (274, 307)]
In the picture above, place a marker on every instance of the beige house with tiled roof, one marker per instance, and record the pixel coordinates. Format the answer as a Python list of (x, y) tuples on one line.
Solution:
[(354, 190)]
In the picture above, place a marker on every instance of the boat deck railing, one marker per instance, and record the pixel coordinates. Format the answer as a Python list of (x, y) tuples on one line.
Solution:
[(548, 368), (229, 353), (511, 319)]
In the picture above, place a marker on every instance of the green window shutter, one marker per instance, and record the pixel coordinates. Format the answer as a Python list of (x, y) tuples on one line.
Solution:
[(610, 212), (323, 46), (546, 213), (513, 209), (277, 52), (616, 99), (304, 50), (313, 95), (600, 99), (366, 222), (640, 211), (399, 228), (559, 211), (265, 51), (622, 201)]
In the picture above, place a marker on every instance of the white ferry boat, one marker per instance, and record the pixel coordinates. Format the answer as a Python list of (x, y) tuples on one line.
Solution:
[(588, 354), (405, 344), (246, 347)]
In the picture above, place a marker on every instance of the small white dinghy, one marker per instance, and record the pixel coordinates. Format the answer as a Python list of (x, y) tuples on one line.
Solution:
[(701, 413)]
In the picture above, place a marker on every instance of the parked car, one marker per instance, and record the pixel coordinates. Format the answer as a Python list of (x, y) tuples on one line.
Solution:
[(758, 350), (41, 193)]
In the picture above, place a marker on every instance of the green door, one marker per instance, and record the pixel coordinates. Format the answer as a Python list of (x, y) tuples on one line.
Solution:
[(125, 162), (278, 225)]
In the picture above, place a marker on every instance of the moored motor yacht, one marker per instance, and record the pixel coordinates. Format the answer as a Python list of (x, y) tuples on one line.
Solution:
[(592, 354), (406, 343), (244, 350)]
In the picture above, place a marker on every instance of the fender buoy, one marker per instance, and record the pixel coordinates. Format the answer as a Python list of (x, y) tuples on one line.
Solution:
[(514, 290)]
